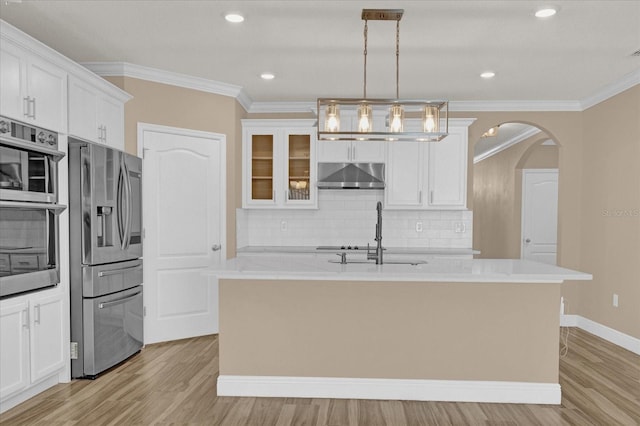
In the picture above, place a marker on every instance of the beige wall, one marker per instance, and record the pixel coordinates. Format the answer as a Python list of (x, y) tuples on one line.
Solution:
[(610, 211), (167, 105), (392, 330), (497, 196), (598, 170)]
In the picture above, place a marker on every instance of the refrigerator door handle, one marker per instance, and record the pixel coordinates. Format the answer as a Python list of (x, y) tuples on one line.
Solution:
[(129, 210), (122, 230), (118, 301)]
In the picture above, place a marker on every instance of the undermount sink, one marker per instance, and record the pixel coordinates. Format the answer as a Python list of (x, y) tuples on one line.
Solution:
[(386, 262)]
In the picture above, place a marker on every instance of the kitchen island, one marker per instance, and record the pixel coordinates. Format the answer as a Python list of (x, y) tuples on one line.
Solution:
[(448, 330)]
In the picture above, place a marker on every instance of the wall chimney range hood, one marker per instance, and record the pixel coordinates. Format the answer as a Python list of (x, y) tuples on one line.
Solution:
[(351, 175)]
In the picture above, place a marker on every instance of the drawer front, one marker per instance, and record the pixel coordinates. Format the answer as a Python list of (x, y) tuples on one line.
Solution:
[(106, 279), (113, 329)]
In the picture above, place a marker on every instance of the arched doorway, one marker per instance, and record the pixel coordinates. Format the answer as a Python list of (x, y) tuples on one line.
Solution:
[(499, 162)]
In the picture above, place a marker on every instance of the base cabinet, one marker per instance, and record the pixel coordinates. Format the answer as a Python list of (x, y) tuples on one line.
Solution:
[(32, 341)]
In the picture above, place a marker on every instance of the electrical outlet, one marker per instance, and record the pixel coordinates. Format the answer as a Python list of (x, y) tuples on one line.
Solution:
[(615, 300), (562, 305), (283, 226), (418, 226)]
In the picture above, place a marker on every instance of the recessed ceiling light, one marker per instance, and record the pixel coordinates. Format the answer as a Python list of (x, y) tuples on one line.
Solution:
[(267, 76), (234, 17), (488, 74), (546, 12)]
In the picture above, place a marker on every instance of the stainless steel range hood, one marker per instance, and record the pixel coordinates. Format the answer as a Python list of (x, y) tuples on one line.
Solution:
[(350, 175)]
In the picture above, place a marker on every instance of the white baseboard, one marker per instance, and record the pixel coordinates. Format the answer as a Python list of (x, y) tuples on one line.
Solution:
[(616, 337), (28, 393), (393, 389)]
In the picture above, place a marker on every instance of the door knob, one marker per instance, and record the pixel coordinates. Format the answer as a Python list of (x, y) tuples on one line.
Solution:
[(216, 247), (528, 240)]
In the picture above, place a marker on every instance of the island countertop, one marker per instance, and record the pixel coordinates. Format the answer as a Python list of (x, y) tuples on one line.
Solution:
[(283, 267)]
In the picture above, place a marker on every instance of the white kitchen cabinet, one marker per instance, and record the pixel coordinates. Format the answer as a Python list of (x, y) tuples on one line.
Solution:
[(429, 175), (279, 164), (33, 90), (94, 115), (447, 169), (14, 351), (404, 175), (32, 340), (351, 152)]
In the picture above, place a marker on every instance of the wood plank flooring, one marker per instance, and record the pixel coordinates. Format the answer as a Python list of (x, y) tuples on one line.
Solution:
[(174, 383)]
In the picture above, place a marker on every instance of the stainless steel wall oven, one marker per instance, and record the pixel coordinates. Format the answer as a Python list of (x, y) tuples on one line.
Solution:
[(29, 231)]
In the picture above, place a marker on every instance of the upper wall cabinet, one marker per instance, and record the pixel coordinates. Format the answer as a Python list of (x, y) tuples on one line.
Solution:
[(33, 90), (95, 115), (429, 175), (351, 152), (279, 164)]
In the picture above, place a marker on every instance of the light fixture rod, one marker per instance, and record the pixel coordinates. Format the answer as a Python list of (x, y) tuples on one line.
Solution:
[(398, 58), (366, 30)]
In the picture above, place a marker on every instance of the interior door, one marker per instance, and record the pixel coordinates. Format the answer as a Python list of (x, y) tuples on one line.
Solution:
[(183, 205), (540, 215)]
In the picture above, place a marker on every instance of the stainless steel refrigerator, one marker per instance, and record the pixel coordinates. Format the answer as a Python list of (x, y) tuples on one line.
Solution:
[(105, 221)]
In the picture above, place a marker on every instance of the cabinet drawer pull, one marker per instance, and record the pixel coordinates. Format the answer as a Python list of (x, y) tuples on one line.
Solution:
[(118, 301)]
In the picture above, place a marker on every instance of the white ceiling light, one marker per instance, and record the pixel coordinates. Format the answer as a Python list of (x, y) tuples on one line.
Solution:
[(434, 114), (267, 76), (545, 12), (488, 74), (236, 18)]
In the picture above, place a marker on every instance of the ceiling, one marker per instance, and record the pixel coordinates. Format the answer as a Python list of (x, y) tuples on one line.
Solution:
[(315, 48)]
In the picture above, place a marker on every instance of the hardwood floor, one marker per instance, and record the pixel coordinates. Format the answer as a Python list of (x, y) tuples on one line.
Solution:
[(174, 383)]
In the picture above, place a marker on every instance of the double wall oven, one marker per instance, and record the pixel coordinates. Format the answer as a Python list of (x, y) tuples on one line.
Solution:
[(29, 209)]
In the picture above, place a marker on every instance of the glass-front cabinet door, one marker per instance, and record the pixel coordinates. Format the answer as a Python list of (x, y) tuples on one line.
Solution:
[(279, 164), (262, 167), (299, 166)]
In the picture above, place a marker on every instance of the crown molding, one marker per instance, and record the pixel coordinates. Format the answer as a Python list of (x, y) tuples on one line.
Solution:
[(610, 90), (490, 106), (282, 107), (125, 69), (506, 144)]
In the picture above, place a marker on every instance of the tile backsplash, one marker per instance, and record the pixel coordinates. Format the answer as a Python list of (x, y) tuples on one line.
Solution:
[(349, 217)]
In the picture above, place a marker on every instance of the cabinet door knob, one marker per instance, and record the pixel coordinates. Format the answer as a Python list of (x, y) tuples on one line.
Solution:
[(528, 240)]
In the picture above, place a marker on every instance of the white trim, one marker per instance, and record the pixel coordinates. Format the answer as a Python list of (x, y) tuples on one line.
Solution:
[(531, 131), (29, 393), (282, 107), (610, 90), (125, 69), (393, 389), (616, 337), (524, 105)]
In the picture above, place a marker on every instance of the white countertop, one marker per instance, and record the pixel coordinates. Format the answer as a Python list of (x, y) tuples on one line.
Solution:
[(388, 250), (283, 267)]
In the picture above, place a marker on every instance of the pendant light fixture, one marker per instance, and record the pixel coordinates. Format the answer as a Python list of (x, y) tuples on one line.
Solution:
[(382, 119)]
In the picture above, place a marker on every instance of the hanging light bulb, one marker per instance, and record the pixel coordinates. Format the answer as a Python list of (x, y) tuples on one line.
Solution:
[(332, 119), (396, 118), (364, 118), (431, 119)]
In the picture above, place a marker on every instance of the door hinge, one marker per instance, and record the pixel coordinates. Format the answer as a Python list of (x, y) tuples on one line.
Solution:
[(144, 311), (73, 350)]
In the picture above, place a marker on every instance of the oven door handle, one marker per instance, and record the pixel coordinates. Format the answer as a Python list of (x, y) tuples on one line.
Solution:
[(118, 301), (57, 208)]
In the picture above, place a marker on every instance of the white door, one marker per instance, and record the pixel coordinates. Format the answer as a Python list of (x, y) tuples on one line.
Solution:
[(184, 221), (539, 215)]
